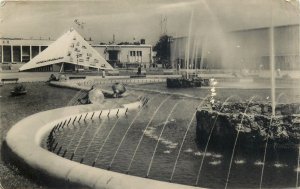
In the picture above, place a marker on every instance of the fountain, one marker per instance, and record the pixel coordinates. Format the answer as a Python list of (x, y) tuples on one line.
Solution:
[(260, 122), (157, 138), (254, 126), (189, 77)]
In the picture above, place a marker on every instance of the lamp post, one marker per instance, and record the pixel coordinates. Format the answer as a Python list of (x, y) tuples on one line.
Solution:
[(77, 56)]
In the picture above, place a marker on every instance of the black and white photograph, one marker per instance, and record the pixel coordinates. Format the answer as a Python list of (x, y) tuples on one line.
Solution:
[(149, 94)]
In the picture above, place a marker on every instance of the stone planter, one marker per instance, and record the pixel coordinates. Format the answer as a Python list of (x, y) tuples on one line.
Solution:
[(186, 83), (283, 130)]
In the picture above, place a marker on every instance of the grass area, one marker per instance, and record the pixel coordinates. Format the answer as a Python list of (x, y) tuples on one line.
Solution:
[(40, 97)]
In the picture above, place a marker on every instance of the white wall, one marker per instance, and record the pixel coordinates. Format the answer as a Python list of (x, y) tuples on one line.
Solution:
[(124, 54)]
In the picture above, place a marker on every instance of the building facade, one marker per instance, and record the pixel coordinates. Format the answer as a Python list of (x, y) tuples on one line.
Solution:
[(14, 52), (126, 55), (243, 49)]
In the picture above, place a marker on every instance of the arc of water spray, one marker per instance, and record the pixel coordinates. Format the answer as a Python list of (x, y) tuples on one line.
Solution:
[(196, 57), (81, 137), (272, 59), (95, 134), (264, 157), (141, 138), (166, 121), (107, 137), (73, 138), (123, 138), (185, 134), (235, 142), (266, 146), (298, 159), (193, 53), (68, 146), (81, 95), (71, 102), (297, 170), (282, 94), (202, 52), (105, 140), (209, 137), (187, 55)]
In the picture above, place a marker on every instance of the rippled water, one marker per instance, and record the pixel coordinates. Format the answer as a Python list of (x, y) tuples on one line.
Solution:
[(280, 166)]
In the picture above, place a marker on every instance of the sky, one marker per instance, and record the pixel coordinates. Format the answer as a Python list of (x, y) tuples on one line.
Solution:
[(131, 20)]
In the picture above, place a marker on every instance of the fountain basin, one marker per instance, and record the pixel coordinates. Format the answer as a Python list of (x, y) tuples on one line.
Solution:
[(254, 123), (24, 139)]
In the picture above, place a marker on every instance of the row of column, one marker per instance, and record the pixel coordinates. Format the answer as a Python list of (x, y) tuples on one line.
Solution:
[(21, 54)]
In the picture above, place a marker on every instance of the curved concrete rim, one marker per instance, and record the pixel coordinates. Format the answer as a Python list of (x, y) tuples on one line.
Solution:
[(24, 140)]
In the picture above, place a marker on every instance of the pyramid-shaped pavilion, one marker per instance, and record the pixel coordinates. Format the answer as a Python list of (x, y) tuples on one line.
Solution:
[(69, 52)]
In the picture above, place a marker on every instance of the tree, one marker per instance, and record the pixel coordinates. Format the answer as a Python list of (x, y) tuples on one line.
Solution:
[(163, 50)]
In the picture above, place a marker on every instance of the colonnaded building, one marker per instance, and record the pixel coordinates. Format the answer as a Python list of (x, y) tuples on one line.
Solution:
[(16, 52), (243, 49)]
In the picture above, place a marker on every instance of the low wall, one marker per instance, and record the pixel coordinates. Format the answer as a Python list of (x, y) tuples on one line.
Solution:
[(24, 140)]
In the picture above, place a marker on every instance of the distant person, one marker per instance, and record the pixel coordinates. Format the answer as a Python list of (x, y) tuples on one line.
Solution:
[(139, 72)]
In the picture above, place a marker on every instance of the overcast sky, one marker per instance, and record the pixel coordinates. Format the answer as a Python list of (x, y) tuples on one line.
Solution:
[(129, 19)]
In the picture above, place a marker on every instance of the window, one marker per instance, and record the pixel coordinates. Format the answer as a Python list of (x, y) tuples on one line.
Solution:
[(43, 47), (135, 53)]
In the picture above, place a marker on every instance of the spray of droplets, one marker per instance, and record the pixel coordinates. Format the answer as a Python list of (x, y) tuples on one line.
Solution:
[(213, 93)]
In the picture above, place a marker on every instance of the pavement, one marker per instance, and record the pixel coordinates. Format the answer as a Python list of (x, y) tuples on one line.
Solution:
[(44, 76)]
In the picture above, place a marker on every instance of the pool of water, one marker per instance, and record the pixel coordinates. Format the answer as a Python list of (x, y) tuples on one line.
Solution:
[(127, 144)]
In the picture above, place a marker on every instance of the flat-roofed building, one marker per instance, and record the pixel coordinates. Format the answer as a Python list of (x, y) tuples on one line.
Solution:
[(15, 52), (18, 50), (126, 55), (242, 49)]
